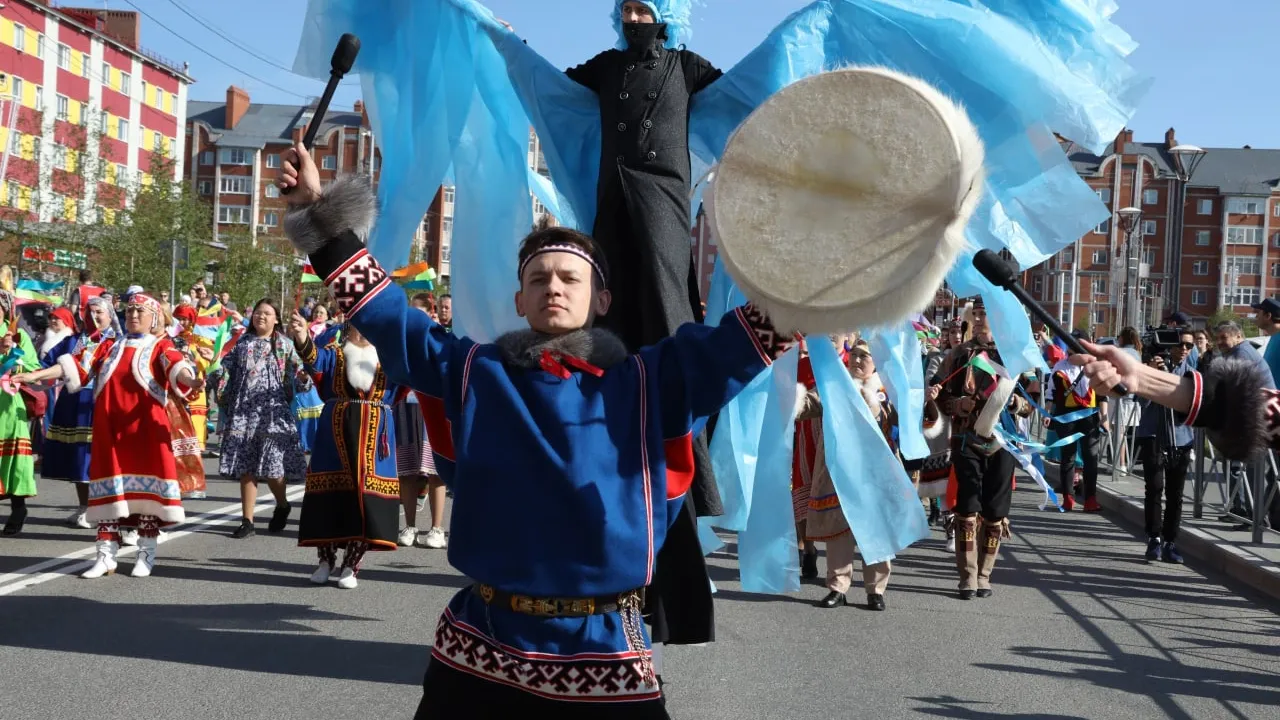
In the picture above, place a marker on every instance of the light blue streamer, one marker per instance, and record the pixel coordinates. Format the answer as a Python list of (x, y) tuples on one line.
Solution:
[(900, 364), (875, 493), (707, 536), (767, 545), (735, 451)]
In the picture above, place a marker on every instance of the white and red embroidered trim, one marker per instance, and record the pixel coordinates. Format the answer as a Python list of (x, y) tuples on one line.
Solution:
[(644, 463), (1196, 398), (356, 281)]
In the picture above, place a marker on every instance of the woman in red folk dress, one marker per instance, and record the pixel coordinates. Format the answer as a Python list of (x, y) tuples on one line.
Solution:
[(132, 471)]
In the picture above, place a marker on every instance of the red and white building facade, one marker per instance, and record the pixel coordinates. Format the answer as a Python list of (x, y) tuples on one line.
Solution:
[(90, 104)]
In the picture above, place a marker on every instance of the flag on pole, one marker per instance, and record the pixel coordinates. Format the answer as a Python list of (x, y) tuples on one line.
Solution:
[(220, 341), (309, 274)]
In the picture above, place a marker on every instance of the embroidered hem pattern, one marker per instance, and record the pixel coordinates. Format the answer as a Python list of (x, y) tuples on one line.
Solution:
[(588, 677)]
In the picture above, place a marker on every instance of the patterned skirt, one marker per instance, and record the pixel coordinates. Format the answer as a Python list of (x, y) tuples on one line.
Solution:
[(187, 450), (413, 450)]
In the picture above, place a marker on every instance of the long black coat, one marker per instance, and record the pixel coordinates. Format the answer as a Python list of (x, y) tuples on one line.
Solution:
[(643, 229)]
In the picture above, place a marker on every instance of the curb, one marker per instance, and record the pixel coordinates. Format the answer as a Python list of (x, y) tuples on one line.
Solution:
[(1211, 552)]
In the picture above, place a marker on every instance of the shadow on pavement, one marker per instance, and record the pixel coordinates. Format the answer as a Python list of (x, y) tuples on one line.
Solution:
[(267, 638)]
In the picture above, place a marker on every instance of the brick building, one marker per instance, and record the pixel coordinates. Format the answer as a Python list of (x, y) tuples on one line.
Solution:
[(82, 100), (1218, 250), (233, 150)]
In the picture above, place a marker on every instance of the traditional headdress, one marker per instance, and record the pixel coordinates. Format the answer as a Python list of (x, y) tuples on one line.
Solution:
[(185, 312), (143, 300), (675, 14), (105, 301), (572, 250), (65, 316)]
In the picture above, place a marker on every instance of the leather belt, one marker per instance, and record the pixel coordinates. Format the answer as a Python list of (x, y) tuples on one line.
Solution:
[(559, 607)]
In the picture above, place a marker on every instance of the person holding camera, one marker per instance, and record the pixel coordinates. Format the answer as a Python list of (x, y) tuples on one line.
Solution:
[(1077, 409), (1165, 446)]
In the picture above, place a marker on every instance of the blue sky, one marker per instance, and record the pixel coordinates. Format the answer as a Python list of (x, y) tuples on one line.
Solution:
[(1211, 68)]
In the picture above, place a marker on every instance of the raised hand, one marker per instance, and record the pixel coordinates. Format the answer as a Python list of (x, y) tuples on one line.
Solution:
[(298, 171)]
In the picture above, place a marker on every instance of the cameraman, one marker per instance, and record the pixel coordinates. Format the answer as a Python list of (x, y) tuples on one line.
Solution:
[(1164, 444)]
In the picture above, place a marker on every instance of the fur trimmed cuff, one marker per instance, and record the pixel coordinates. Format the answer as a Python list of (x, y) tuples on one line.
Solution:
[(346, 205), (70, 373), (1233, 407)]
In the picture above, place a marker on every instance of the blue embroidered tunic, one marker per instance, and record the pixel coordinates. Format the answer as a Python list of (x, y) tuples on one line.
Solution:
[(564, 487)]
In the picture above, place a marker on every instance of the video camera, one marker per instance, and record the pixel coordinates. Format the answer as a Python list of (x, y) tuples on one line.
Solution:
[(1156, 342)]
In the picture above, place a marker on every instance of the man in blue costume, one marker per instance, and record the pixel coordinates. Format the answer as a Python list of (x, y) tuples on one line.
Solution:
[(560, 552)]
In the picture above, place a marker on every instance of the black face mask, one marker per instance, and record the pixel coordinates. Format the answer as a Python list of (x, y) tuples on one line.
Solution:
[(644, 36)]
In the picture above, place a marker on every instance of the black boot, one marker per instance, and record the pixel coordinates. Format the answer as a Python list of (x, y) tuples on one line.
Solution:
[(279, 518), (809, 565), (875, 601), (17, 518)]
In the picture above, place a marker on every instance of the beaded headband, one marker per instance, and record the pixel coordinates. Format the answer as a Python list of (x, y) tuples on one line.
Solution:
[(564, 248)]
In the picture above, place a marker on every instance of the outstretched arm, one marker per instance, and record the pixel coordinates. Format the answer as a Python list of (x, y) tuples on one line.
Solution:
[(329, 226)]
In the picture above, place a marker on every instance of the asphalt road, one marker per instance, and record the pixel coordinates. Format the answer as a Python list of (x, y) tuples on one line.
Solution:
[(1080, 627)]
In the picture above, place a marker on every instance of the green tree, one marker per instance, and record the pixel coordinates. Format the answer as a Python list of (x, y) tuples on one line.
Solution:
[(1247, 325), (248, 271), (136, 243)]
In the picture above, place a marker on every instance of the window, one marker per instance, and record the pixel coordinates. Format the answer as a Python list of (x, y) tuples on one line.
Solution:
[(1150, 197), (1245, 265), (40, 46), (1104, 195), (159, 98), (13, 193), (126, 83), (1245, 296), (1244, 206), (144, 92), (205, 187), (273, 160), (1204, 207), (1037, 285), (273, 190), (1099, 317), (1200, 267), (1148, 227), (1199, 297), (1104, 228), (84, 65), (20, 44), (1069, 255), (206, 157), (233, 214), (64, 57), (329, 162), (446, 228), (1100, 286), (64, 107), (271, 218), (122, 174), (1099, 257), (448, 195), (1244, 235), (237, 185), (15, 143), (39, 99), (106, 121), (1275, 210), (157, 142), (17, 93), (1202, 237), (1275, 270), (60, 157), (1149, 256), (106, 73), (35, 147), (122, 129), (236, 156)]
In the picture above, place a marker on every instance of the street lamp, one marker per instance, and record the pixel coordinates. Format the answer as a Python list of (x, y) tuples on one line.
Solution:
[(1186, 158), (1130, 221)]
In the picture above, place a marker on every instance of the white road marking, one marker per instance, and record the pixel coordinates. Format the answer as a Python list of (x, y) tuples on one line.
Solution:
[(76, 562)]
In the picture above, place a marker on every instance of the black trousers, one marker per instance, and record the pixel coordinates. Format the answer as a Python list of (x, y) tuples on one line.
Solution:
[(448, 694), (1090, 447), (984, 483), (1165, 473)]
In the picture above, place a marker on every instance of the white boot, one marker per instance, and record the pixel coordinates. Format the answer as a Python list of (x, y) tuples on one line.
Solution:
[(321, 575), (146, 558), (105, 564), (348, 579)]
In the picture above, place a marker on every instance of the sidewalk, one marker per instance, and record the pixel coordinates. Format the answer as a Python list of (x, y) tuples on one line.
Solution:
[(1206, 542)]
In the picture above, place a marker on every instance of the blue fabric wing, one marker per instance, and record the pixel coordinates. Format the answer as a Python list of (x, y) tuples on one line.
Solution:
[(451, 92)]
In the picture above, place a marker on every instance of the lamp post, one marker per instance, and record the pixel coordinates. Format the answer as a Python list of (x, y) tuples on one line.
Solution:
[(1130, 221), (1186, 158)]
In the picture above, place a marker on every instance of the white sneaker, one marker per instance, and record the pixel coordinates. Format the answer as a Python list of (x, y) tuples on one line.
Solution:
[(408, 536), (321, 575), (146, 558), (128, 537), (951, 544), (77, 519), (436, 539), (348, 579), (105, 564)]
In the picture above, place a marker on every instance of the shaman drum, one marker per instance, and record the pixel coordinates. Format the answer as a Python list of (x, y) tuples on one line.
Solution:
[(841, 202)]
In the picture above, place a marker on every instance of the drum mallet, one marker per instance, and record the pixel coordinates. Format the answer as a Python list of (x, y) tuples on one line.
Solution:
[(344, 56), (999, 273)]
